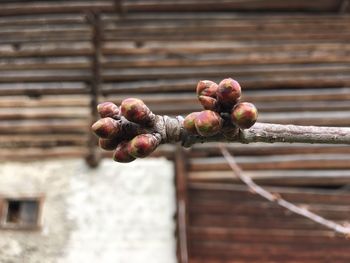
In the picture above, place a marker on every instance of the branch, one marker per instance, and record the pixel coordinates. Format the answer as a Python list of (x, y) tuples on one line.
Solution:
[(271, 133), (280, 201), (133, 131)]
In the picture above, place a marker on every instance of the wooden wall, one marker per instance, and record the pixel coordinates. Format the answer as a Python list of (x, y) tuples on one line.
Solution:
[(292, 65), (292, 59), (227, 223), (44, 80)]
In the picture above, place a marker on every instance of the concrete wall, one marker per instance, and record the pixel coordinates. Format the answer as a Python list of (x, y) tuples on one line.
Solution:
[(116, 213)]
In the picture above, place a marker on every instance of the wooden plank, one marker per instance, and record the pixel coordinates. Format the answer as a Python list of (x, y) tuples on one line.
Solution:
[(238, 221), (47, 29), (47, 48), (277, 17), (42, 19), (8, 102), (173, 59), (44, 127), (276, 252), (44, 113), (57, 19), (49, 7), (129, 48), (295, 162), (307, 195), (42, 88), (44, 75), (241, 72), (257, 235), (252, 208), (56, 63), (38, 38), (221, 5), (257, 149), (238, 28), (279, 177), (339, 36)]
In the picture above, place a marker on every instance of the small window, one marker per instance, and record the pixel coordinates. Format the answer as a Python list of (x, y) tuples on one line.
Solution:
[(21, 213)]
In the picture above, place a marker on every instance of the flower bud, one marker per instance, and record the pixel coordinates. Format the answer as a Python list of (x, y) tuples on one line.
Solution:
[(108, 144), (208, 123), (189, 122), (206, 88), (142, 145), (108, 109), (228, 93), (135, 110), (107, 128), (121, 154), (244, 115), (208, 103)]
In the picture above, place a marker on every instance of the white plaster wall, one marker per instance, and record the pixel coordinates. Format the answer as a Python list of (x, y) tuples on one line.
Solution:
[(116, 213)]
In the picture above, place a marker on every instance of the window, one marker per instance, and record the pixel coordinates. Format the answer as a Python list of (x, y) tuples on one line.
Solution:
[(21, 213)]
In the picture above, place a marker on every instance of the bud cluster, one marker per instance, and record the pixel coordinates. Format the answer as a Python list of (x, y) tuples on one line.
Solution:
[(219, 100), (127, 146), (132, 131)]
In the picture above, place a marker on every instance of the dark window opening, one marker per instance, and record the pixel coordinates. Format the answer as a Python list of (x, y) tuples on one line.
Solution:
[(13, 212), (21, 213)]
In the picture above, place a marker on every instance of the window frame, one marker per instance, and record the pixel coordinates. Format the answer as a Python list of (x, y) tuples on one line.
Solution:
[(4, 205)]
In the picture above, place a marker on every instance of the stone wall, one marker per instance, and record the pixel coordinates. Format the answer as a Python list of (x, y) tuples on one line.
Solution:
[(115, 213)]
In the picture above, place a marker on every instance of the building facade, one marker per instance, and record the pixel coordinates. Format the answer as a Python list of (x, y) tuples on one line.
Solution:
[(113, 213)]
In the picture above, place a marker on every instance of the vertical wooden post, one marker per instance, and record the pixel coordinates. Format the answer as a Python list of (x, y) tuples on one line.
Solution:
[(181, 192), (118, 4), (1, 209), (93, 158), (344, 6)]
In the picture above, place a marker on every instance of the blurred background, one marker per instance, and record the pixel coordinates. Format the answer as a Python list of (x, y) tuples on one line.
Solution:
[(64, 200)]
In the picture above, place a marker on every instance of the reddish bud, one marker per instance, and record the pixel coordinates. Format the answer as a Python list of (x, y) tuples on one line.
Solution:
[(142, 145), (228, 93), (244, 115), (107, 128), (189, 122), (207, 88), (208, 103), (208, 123), (135, 110), (108, 109), (108, 144), (121, 154)]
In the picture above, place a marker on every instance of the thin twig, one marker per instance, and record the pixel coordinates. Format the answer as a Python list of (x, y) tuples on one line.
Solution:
[(278, 199), (272, 133)]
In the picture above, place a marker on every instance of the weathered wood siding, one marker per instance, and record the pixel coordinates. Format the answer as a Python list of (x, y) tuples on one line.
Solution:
[(294, 66)]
